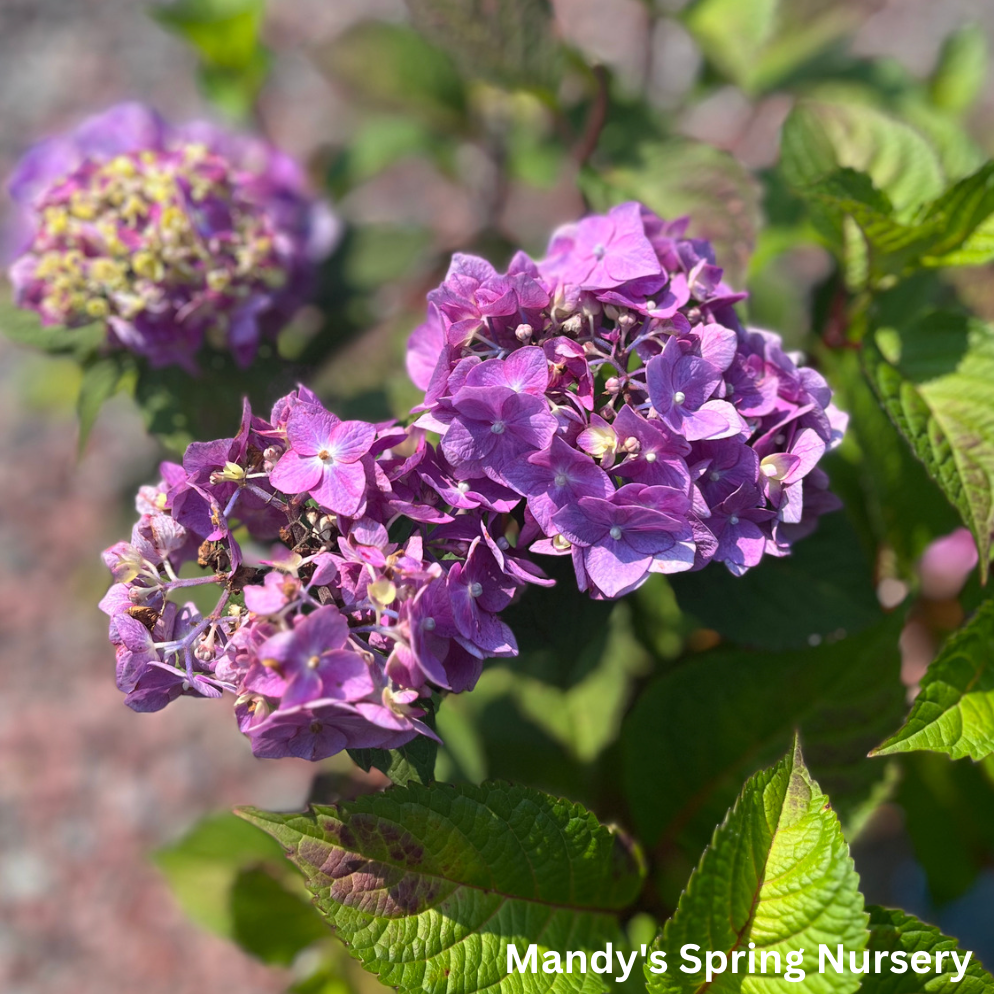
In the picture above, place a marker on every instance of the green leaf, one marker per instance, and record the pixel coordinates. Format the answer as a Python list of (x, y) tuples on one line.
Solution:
[(510, 43), (102, 378), (756, 43), (820, 137), (429, 885), (202, 867), (961, 70), (948, 810), (706, 724), (25, 328), (883, 486), (778, 874), (270, 922), (824, 586), (893, 931), (224, 32), (934, 379), (954, 710), (391, 66), (684, 177), (586, 717)]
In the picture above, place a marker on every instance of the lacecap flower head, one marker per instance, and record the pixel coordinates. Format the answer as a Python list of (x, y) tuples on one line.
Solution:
[(363, 579), (613, 390), (169, 235)]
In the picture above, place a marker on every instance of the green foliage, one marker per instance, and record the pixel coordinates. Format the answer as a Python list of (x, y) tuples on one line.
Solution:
[(429, 885), (225, 34), (25, 328), (954, 710), (777, 873), (961, 70), (822, 137), (839, 694), (891, 931), (233, 880), (883, 486), (102, 378), (757, 43), (949, 816), (509, 43), (682, 177), (822, 588), (393, 67), (933, 378)]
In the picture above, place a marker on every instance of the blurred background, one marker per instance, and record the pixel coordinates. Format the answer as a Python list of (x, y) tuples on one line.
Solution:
[(418, 163)]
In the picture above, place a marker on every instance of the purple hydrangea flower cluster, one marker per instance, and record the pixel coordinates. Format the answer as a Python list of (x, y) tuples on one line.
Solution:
[(612, 387), (169, 235), (356, 577)]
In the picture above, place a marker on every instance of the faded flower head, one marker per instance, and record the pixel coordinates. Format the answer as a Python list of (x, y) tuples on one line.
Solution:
[(168, 235), (612, 389)]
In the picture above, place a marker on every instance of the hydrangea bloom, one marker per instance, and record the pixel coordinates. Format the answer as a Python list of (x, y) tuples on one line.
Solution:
[(167, 234), (365, 577), (612, 389)]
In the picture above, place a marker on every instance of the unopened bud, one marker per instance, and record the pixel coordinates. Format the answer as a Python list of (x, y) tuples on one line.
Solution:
[(232, 473), (632, 445), (560, 542), (612, 384), (523, 333)]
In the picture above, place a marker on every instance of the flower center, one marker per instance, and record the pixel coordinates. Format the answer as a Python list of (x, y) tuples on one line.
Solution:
[(615, 532), (121, 237), (734, 519), (561, 479), (497, 427), (650, 457), (428, 624), (313, 662), (679, 397), (325, 456), (475, 589), (599, 251)]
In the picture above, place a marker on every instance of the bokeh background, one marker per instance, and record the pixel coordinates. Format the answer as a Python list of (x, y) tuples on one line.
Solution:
[(88, 789)]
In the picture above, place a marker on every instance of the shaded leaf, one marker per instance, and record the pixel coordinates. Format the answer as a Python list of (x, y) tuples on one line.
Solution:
[(948, 810), (954, 710), (428, 885), (891, 931), (270, 922), (778, 874), (706, 724), (823, 587), (933, 378)]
